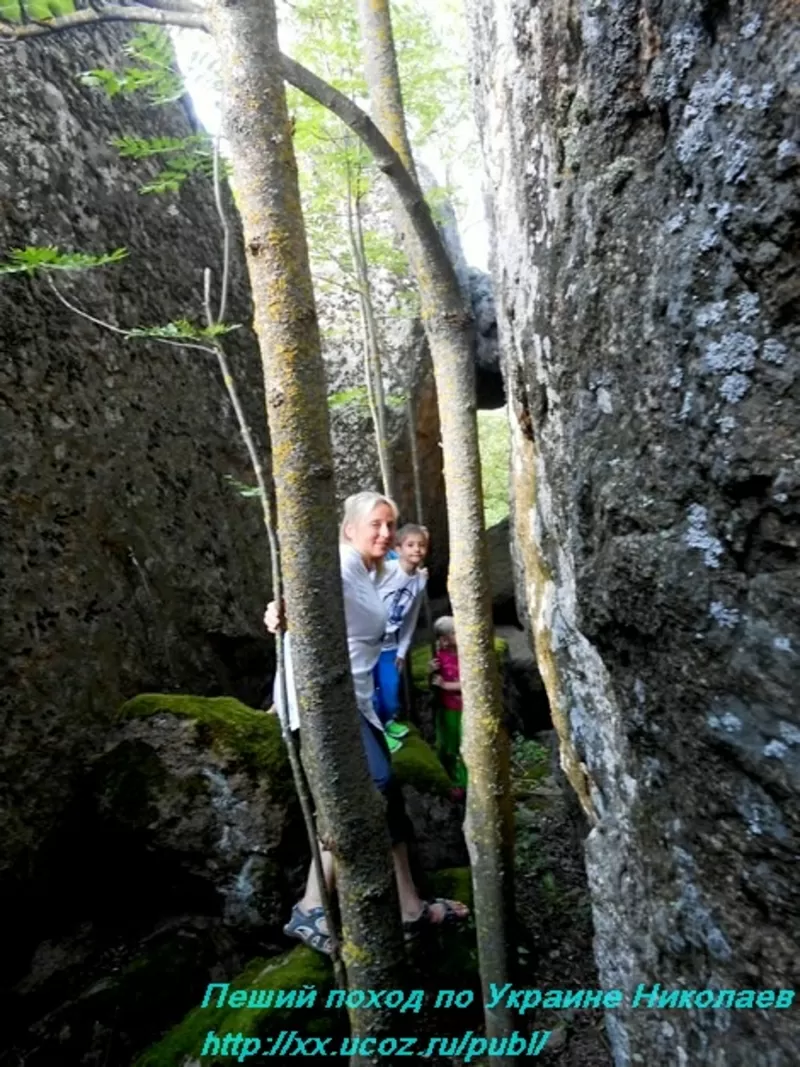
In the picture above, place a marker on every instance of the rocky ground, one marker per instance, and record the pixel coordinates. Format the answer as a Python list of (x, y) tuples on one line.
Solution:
[(553, 906)]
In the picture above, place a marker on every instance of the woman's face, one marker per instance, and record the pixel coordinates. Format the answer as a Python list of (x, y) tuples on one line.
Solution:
[(373, 535)]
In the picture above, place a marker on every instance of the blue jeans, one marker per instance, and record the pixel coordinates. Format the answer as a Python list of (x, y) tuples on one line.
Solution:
[(387, 686), (380, 768)]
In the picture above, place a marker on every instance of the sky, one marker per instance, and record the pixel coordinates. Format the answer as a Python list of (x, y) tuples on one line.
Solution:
[(193, 48)]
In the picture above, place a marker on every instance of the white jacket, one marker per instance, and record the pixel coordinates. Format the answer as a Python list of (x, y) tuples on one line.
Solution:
[(365, 617), (402, 598)]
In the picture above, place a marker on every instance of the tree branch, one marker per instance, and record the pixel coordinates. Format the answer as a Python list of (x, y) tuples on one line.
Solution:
[(153, 11), (386, 160), (188, 6), (124, 333)]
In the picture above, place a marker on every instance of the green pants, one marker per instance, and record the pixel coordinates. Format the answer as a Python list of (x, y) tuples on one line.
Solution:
[(448, 745)]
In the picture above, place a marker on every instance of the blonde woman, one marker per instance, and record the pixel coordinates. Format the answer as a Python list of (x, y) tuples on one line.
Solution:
[(367, 533)]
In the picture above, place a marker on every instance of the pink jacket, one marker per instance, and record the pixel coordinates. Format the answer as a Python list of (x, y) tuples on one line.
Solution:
[(448, 669)]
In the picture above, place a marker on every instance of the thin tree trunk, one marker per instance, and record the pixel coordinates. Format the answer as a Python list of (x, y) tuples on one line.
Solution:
[(489, 822), (372, 368), (374, 344), (259, 133), (415, 470)]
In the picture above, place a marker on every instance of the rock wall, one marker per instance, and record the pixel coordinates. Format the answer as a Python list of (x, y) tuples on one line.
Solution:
[(128, 561), (642, 162)]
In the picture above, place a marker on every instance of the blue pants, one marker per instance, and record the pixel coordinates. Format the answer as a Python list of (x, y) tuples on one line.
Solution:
[(379, 763), (380, 768), (387, 686)]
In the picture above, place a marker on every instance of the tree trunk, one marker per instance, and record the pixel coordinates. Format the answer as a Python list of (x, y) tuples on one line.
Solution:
[(374, 346), (489, 823), (415, 471), (259, 132), (372, 365)]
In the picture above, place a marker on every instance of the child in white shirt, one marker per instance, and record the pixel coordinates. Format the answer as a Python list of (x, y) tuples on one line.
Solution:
[(402, 588)]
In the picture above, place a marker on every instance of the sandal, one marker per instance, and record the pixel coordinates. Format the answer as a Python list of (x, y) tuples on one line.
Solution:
[(425, 919), (393, 744), (308, 927), (393, 728)]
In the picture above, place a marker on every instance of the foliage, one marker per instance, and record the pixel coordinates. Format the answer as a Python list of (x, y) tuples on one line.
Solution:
[(530, 762), (34, 10), (183, 330), (153, 70), (185, 156), (241, 488), (357, 397), (37, 259), (494, 442)]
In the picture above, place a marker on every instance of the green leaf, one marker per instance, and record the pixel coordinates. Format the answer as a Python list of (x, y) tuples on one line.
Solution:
[(154, 70), (38, 259), (183, 330), (242, 489), (357, 396)]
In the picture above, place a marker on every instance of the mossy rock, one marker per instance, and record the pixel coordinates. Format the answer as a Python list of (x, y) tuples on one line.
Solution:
[(417, 765), (249, 737), (454, 883), (292, 971), (421, 657)]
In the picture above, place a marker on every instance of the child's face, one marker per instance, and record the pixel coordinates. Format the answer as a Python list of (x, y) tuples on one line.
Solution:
[(448, 642), (413, 549)]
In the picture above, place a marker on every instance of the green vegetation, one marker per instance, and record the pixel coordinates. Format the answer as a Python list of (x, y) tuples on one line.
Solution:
[(494, 441), (292, 971), (38, 259), (417, 765), (530, 763)]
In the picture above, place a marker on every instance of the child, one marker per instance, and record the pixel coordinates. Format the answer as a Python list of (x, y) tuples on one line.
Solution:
[(448, 715), (401, 588)]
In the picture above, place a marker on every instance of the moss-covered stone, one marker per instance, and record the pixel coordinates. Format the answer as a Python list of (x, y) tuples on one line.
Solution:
[(454, 883), (417, 765), (252, 738), (302, 967)]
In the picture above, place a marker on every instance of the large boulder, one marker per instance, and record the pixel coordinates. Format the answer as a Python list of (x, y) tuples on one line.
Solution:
[(178, 861), (643, 167), (128, 561), (203, 789)]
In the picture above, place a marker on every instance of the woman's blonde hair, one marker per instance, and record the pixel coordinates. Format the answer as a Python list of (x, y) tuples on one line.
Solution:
[(360, 506)]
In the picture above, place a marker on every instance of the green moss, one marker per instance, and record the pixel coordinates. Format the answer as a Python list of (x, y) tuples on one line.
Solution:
[(417, 765), (421, 657), (250, 737), (301, 967), (455, 883)]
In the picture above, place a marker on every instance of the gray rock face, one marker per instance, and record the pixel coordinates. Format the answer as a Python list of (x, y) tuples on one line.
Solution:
[(129, 562), (643, 169)]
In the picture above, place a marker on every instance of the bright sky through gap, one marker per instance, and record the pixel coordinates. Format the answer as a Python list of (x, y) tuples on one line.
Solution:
[(194, 51)]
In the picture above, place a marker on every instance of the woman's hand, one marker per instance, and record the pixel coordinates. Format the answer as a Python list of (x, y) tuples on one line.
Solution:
[(399, 664), (273, 619)]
